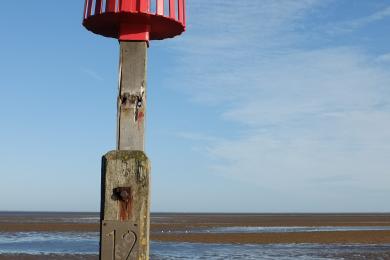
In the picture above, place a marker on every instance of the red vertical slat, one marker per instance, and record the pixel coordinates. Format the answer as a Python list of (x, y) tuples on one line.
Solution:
[(184, 12), (160, 7), (181, 10), (128, 5), (124, 5), (144, 6), (89, 8), (110, 5), (172, 9), (98, 6), (137, 6), (85, 9)]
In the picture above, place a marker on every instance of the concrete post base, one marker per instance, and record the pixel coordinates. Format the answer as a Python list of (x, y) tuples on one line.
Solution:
[(125, 206)]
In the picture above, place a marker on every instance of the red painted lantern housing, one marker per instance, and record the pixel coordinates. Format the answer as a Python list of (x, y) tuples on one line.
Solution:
[(135, 20)]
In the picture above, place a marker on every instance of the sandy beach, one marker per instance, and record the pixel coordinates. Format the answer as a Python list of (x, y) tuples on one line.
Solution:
[(193, 228), (188, 222), (177, 227), (48, 257), (346, 237)]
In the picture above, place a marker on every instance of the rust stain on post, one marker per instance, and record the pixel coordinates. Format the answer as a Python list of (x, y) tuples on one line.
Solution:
[(125, 200)]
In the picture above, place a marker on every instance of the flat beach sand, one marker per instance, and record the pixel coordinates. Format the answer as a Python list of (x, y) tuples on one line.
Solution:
[(177, 228), (163, 227), (48, 257), (188, 222)]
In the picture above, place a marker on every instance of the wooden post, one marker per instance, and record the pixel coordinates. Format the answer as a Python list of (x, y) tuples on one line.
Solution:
[(125, 199), (132, 96)]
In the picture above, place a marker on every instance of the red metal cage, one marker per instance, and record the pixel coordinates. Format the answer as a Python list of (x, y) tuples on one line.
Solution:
[(135, 20)]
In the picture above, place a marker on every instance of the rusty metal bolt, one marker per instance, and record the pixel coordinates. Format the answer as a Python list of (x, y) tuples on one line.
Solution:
[(124, 195), (125, 97)]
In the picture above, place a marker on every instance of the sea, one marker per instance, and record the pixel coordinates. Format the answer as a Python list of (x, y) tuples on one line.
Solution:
[(87, 243)]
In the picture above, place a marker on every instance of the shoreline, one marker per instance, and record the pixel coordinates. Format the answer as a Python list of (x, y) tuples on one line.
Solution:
[(328, 237), (164, 226)]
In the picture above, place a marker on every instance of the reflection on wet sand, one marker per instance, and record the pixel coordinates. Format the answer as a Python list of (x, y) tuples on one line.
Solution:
[(211, 236)]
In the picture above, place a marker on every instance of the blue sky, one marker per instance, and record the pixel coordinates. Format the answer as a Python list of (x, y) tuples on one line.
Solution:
[(261, 106)]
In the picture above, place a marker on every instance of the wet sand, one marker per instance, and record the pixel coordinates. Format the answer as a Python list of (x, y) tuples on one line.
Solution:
[(48, 257), (182, 222), (163, 224), (48, 227), (185, 221), (344, 237)]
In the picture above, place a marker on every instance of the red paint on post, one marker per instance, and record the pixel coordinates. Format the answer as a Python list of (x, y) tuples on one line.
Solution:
[(140, 118), (134, 33)]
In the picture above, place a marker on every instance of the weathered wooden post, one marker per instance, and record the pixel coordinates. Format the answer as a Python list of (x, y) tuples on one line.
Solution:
[(125, 199)]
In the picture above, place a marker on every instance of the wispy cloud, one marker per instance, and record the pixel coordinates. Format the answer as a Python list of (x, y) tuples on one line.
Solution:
[(229, 39), (308, 113), (197, 137), (357, 23), (92, 74), (384, 58), (335, 28)]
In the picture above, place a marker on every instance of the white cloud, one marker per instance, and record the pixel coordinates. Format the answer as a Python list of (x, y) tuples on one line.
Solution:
[(316, 120), (226, 39), (197, 137), (312, 84), (290, 158), (92, 74), (361, 22), (384, 58), (377, 16)]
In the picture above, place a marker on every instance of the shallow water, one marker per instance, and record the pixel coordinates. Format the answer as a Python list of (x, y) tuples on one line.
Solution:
[(48, 217), (37, 243), (287, 229), (42, 242), (171, 251)]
